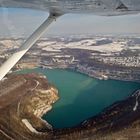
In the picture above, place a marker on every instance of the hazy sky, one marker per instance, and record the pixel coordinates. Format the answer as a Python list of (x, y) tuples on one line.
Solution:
[(21, 22)]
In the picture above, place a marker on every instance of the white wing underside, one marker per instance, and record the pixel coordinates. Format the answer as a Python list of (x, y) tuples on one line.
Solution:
[(98, 7)]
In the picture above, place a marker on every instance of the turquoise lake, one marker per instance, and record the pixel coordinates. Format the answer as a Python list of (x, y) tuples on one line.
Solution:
[(81, 97)]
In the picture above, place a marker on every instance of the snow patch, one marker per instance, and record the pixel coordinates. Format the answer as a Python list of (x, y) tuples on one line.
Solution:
[(137, 94), (29, 126)]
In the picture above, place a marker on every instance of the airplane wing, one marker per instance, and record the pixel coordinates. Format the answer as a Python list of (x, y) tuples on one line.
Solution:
[(60, 7), (98, 7)]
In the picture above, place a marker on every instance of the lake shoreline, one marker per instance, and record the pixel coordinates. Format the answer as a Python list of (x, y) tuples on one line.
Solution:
[(108, 122), (80, 72), (64, 98)]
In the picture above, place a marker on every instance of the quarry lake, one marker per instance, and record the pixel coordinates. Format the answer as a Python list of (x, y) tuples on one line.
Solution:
[(81, 97)]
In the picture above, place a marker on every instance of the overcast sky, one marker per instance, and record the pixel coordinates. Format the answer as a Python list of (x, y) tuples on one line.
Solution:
[(19, 22)]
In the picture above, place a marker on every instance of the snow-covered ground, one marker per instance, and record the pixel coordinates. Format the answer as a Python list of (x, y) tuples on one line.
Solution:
[(107, 45), (104, 45)]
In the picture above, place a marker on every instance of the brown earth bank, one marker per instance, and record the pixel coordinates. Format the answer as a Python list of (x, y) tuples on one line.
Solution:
[(23, 101), (25, 98)]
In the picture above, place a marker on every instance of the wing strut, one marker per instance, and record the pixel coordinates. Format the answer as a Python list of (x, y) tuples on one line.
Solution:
[(6, 67)]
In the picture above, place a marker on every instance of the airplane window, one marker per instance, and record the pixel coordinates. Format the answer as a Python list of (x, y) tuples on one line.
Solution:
[(69, 69)]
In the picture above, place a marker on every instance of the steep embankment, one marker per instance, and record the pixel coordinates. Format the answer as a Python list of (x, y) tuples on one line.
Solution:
[(23, 101)]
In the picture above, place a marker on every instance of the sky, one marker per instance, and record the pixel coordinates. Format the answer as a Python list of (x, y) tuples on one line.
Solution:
[(22, 22)]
